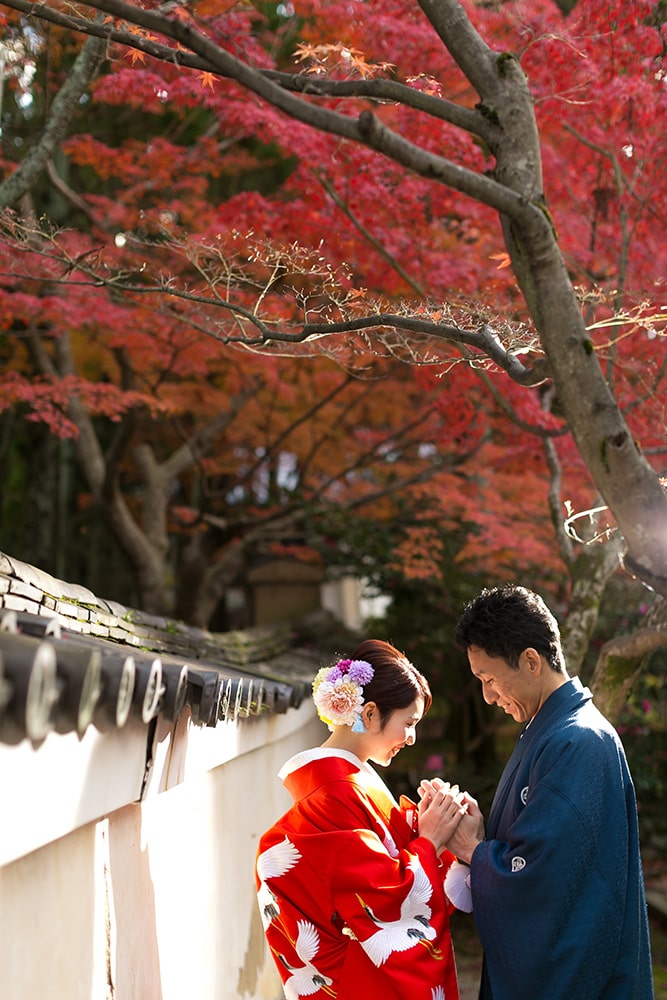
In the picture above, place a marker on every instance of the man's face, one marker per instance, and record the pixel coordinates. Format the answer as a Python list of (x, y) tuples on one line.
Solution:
[(517, 692)]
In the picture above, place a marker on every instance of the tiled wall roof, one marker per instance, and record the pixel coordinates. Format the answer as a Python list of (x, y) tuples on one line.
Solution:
[(69, 659)]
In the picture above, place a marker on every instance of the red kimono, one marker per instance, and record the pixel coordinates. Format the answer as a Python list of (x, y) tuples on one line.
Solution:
[(352, 901)]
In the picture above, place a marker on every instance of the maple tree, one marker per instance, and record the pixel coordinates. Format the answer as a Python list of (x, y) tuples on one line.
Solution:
[(89, 366), (563, 339)]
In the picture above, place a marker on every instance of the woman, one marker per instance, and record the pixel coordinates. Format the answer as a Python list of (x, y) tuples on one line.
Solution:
[(350, 883)]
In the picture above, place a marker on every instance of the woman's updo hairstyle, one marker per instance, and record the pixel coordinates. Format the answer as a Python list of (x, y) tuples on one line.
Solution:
[(396, 683)]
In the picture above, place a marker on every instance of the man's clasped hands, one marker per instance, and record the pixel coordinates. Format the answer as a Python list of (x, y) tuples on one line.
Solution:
[(450, 818)]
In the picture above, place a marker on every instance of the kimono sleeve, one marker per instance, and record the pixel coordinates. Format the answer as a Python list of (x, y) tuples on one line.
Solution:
[(395, 907), (410, 812)]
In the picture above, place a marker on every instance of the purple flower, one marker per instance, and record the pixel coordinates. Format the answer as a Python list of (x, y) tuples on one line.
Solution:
[(435, 762), (360, 671)]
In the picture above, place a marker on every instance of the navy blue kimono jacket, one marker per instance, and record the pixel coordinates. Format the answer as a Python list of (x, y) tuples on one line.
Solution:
[(557, 886)]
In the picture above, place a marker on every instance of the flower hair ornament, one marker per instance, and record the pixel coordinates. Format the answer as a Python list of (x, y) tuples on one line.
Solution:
[(338, 693)]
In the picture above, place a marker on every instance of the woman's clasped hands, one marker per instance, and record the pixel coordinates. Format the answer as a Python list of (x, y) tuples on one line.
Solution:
[(441, 808)]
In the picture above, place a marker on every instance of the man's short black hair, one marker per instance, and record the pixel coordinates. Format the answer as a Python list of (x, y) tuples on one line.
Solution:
[(503, 621)]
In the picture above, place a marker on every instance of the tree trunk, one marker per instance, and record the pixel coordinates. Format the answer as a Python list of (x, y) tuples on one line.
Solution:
[(622, 660)]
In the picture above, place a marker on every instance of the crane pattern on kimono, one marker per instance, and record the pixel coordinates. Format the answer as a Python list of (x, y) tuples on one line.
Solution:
[(273, 863), (306, 979), (412, 927)]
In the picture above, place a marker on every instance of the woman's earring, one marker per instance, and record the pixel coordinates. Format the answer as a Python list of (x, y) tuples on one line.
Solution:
[(358, 724)]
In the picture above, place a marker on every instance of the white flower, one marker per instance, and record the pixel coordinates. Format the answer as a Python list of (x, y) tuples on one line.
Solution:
[(338, 702)]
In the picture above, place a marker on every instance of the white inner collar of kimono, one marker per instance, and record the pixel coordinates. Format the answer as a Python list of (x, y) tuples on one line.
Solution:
[(320, 753)]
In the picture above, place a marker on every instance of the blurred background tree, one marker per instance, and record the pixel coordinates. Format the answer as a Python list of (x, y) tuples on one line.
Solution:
[(169, 235)]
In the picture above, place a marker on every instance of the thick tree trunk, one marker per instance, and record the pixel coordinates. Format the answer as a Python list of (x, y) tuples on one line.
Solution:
[(589, 575), (622, 475), (622, 660), (206, 573)]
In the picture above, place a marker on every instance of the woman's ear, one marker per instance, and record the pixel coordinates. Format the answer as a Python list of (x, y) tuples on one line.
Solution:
[(368, 712)]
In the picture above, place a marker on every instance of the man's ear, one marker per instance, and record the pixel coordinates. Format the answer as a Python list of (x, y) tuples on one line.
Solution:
[(532, 660)]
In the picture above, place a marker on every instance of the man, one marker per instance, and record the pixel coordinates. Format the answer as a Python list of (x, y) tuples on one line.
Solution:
[(557, 885)]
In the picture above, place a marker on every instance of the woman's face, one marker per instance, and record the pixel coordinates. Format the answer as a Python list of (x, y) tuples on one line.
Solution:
[(398, 731)]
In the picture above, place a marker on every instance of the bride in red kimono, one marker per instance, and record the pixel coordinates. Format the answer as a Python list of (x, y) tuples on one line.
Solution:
[(353, 887)]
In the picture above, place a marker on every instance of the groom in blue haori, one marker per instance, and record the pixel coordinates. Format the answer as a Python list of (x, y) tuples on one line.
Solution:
[(557, 885)]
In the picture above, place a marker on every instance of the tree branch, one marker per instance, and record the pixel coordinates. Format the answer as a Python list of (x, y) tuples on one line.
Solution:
[(63, 108), (347, 211), (367, 129), (466, 46)]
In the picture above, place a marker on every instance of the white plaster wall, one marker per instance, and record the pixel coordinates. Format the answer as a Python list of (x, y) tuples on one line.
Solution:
[(202, 839), (49, 947), (156, 901), (67, 781), (341, 597), (352, 601)]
